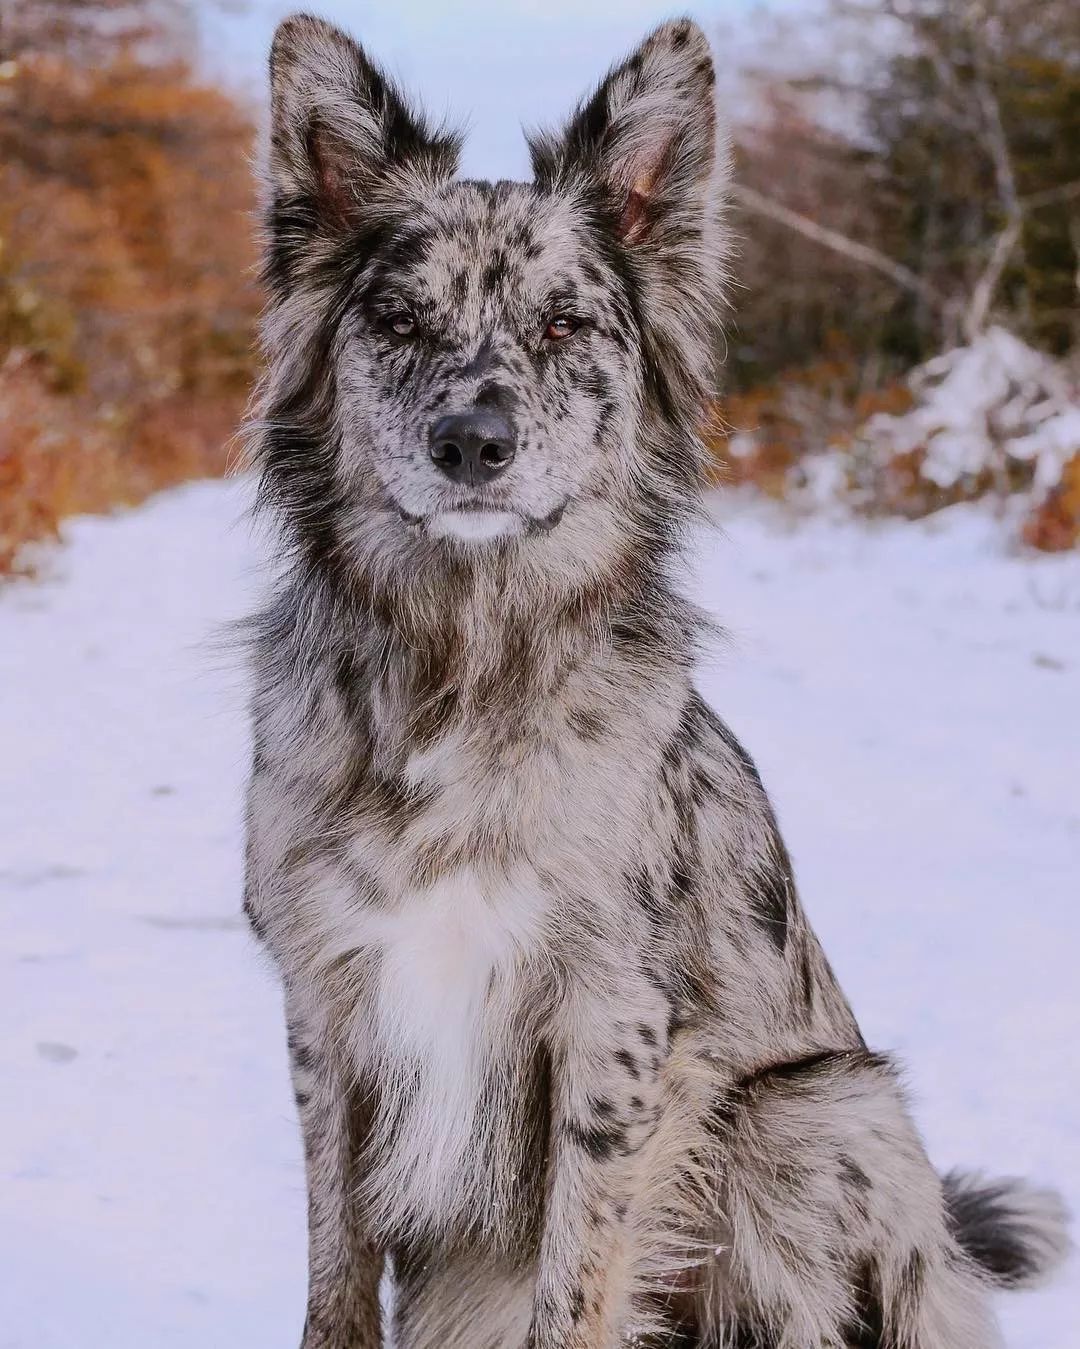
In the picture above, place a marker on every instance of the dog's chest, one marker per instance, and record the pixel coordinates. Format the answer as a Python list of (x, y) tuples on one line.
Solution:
[(450, 972)]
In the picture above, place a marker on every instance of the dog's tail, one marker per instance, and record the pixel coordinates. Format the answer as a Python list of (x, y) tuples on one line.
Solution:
[(1015, 1232)]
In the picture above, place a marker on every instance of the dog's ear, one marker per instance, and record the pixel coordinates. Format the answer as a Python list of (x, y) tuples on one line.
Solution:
[(646, 158), (647, 136), (339, 129)]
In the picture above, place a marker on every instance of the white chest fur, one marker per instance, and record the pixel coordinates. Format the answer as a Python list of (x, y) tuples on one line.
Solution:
[(450, 969)]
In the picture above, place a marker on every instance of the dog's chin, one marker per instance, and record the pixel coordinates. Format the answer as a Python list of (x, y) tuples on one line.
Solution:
[(473, 526)]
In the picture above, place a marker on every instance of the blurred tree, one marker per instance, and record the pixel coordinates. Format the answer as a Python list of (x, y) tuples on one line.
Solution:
[(923, 181), (126, 285), (978, 127)]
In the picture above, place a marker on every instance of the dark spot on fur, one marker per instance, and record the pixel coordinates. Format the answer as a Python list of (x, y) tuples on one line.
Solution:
[(806, 977), (495, 272), (772, 895), (644, 892), (587, 723), (724, 1112), (702, 786), (909, 1284), (867, 1328), (301, 1054), (852, 1173), (628, 1061), (807, 1070), (599, 1141)]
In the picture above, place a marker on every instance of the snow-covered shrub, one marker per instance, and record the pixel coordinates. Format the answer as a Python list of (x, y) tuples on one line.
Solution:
[(994, 418), (981, 411)]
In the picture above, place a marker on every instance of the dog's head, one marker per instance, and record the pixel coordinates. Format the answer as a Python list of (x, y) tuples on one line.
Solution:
[(461, 369)]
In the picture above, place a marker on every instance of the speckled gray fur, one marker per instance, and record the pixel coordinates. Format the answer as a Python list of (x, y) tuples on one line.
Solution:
[(568, 1058)]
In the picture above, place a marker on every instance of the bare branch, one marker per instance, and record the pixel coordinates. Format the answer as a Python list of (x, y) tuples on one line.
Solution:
[(1051, 196), (758, 204), (982, 297), (1074, 237), (998, 146)]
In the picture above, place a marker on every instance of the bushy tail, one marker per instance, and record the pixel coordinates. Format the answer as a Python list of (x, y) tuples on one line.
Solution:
[(1016, 1233)]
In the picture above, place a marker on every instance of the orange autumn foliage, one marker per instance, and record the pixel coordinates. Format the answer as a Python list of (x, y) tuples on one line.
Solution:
[(127, 303), (1055, 525), (800, 412)]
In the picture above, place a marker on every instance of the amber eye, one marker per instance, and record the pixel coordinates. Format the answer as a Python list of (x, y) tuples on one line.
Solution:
[(560, 326), (400, 324)]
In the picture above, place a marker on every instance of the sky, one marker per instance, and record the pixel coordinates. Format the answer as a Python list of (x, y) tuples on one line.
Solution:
[(493, 65)]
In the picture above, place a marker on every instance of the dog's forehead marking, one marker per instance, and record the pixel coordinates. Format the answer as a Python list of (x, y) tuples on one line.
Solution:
[(488, 248)]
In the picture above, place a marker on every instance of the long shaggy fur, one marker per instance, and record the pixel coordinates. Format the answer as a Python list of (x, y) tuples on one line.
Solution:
[(567, 1057)]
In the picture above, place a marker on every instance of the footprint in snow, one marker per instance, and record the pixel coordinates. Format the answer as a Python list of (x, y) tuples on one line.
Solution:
[(1045, 662), (56, 1052)]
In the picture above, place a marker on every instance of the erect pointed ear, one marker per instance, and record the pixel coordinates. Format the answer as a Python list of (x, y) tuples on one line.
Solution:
[(648, 135), (340, 128)]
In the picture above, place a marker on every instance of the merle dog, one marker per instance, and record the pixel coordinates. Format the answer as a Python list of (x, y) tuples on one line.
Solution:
[(568, 1059)]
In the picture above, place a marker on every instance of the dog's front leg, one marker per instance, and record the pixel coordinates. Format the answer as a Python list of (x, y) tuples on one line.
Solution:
[(344, 1265), (605, 1108)]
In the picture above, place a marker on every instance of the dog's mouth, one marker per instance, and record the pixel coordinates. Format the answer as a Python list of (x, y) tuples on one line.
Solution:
[(480, 522)]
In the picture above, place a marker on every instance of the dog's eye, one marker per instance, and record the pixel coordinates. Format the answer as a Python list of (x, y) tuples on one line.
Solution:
[(560, 326), (400, 324)]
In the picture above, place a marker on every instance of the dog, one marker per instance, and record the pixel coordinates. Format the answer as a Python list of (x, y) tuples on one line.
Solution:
[(569, 1062)]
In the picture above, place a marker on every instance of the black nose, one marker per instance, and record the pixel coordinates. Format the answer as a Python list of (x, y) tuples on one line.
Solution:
[(472, 447)]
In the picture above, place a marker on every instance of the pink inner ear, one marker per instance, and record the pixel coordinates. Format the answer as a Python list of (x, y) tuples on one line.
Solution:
[(632, 220), (646, 172), (334, 170)]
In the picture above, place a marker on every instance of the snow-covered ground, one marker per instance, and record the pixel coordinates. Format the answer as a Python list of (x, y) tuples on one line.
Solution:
[(912, 696)]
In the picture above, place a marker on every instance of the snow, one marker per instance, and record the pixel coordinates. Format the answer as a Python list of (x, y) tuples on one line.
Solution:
[(910, 693), (979, 405)]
